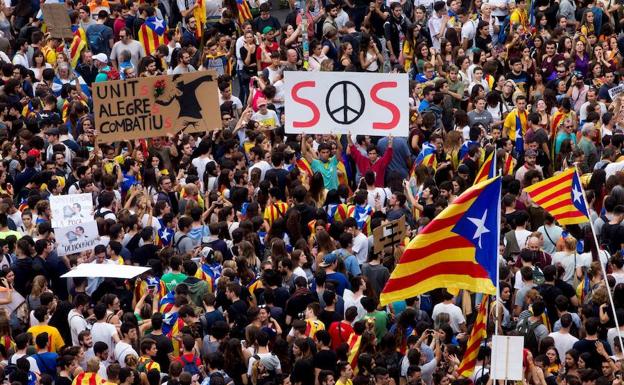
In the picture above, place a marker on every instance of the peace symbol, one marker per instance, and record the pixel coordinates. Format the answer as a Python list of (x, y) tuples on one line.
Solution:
[(342, 103)]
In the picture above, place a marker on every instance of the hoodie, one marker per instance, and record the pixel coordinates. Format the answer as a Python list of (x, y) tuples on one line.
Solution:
[(197, 289)]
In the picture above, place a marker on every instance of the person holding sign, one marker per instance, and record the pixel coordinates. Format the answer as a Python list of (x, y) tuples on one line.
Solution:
[(373, 162)]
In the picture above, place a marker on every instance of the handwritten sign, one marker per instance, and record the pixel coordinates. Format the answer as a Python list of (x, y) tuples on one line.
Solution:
[(76, 238), (156, 106), (390, 234), (339, 102), (57, 20), (615, 91), (73, 209)]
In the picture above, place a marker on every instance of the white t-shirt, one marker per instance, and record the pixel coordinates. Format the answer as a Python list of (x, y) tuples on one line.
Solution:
[(269, 119), (238, 105), (33, 363), (122, 349), (384, 194), (360, 248), (567, 261), (77, 323), (263, 165), (105, 332), (563, 342), (469, 30), (498, 3), (456, 317)]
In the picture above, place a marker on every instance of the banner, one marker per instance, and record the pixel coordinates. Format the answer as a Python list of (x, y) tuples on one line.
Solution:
[(339, 102), (156, 106), (73, 209), (76, 238), (109, 270), (615, 91), (56, 17)]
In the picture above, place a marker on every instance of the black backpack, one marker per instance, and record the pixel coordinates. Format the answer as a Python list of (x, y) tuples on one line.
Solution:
[(527, 330)]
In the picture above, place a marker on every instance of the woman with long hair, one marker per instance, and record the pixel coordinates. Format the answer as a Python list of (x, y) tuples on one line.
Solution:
[(346, 50), (39, 64), (571, 363), (565, 47), (370, 57), (316, 56), (39, 286), (235, 363), (538, 88), (587, 25), (317, 192), (303, 368)]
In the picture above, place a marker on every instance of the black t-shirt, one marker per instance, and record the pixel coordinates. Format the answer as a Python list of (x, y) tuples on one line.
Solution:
[(327, 317), (227, 29), (164, 346), (297, 304), (326, 360), (237, 313), (252, 68), (145, 253), (613, 236), (277, 177), (589, 346), (377, 22), (259, 24)]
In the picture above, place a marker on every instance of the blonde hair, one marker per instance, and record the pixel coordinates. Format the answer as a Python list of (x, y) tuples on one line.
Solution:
[(569, 243), (39, 286)]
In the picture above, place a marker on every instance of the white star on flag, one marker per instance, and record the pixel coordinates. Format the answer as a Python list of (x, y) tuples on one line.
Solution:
[(158, 23), (480, 224), (577, 194), (165, 234)]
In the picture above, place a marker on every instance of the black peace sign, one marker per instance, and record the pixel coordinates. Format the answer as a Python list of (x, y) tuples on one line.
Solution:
[(337, 102)]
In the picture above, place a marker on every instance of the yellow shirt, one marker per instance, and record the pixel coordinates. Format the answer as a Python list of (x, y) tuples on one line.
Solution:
[(510, 123), (348, 382), (55, 339)]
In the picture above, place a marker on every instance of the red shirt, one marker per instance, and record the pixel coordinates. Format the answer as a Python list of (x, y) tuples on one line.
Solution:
[(188, 357), (379, 167), (340, 333), (273, 47)]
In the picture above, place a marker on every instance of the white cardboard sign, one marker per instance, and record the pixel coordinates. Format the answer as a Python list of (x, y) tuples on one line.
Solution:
[(76, 238), (339, 102), (72, 209), (507, 357)]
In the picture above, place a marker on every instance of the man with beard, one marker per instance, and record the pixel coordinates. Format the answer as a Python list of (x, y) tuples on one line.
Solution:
[(75, 318)]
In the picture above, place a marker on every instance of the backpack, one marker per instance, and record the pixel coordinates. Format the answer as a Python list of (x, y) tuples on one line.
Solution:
[(111, 74), (101, 213), (527, 330), (96, 40), (538, 275), (190, 366)]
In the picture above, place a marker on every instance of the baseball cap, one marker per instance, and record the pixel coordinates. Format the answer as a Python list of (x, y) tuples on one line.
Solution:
[(463, 169), (34, 152), (101, 57), (328, 260), (530, 152), (267, 29)]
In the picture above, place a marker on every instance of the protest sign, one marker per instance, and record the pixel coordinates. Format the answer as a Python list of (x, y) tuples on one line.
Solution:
[(615, 91), (339, 102), (71, 209), (57, 20), (507, 357), (76, 238), (390, 234), (110, 270), (156, 106)]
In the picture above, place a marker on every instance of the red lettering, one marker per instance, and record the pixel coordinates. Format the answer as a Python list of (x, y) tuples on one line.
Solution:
[(316, 114), (155, 109), (144, 90), (168, 123), (396, 114)]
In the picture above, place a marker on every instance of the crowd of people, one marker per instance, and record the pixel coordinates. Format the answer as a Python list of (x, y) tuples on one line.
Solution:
[(259, 243)]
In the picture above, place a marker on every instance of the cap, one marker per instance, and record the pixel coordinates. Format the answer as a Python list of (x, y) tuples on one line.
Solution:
[(463, 169), (579, 75), (53, 131), (267, 29), (328, 260), (34, 152), (530, 153), (101, 57), (206, 253), (261, 101)]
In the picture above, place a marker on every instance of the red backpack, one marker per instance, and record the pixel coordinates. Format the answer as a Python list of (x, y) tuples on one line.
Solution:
[(111, 74)]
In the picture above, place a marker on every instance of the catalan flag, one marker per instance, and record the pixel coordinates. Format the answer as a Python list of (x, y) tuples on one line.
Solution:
[(274, 211), (304, 166), (78, 44), (477, 335), (362, 215), (509, 165), (172, 326), (339, 212), (244, 12), (488, 168), (427, 156), (562, 197), (459, 248), (354, 348), (516, 126), (166, 302), (152, 34), (205, 274), (200, 16), (88, 378)]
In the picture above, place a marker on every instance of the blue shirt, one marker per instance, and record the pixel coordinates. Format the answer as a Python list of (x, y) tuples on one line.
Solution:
[(401, 154), (351, 263), (329, 170)]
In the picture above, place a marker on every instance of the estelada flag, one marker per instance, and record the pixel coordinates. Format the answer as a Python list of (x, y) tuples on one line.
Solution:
[(152, 34), (458, 249), (562, 197), (488, 168), (477, 335)]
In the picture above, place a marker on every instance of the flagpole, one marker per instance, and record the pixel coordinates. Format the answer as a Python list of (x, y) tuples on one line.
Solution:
[(604, 272)]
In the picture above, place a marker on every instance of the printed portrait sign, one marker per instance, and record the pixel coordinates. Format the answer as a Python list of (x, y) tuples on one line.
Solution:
[(156, 106), (339, 102), (57, 20), (71, 209), (76, 238)]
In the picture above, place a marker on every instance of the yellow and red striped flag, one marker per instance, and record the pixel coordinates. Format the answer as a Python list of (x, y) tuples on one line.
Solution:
[(274, 211), (477, 335), (354, 348), (152, 34), (200, 16), (244, 12), (562, 197), (510, 164), (458, 249), (488, 168)]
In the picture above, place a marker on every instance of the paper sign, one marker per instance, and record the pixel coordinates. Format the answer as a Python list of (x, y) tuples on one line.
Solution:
[(390, 234), (507, 357), (342, 102), (57, 20), (615, 91), (16, 300), (76, 238), (156, 106), (72, 209), (109, 270)]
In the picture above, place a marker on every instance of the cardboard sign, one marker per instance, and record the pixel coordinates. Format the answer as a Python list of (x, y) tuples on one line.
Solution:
[(615, 91), (339, 102), (57, 20), (109, 270), (390, 234), (507, 358), (72, 209), (76, 238), (156, 106)]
